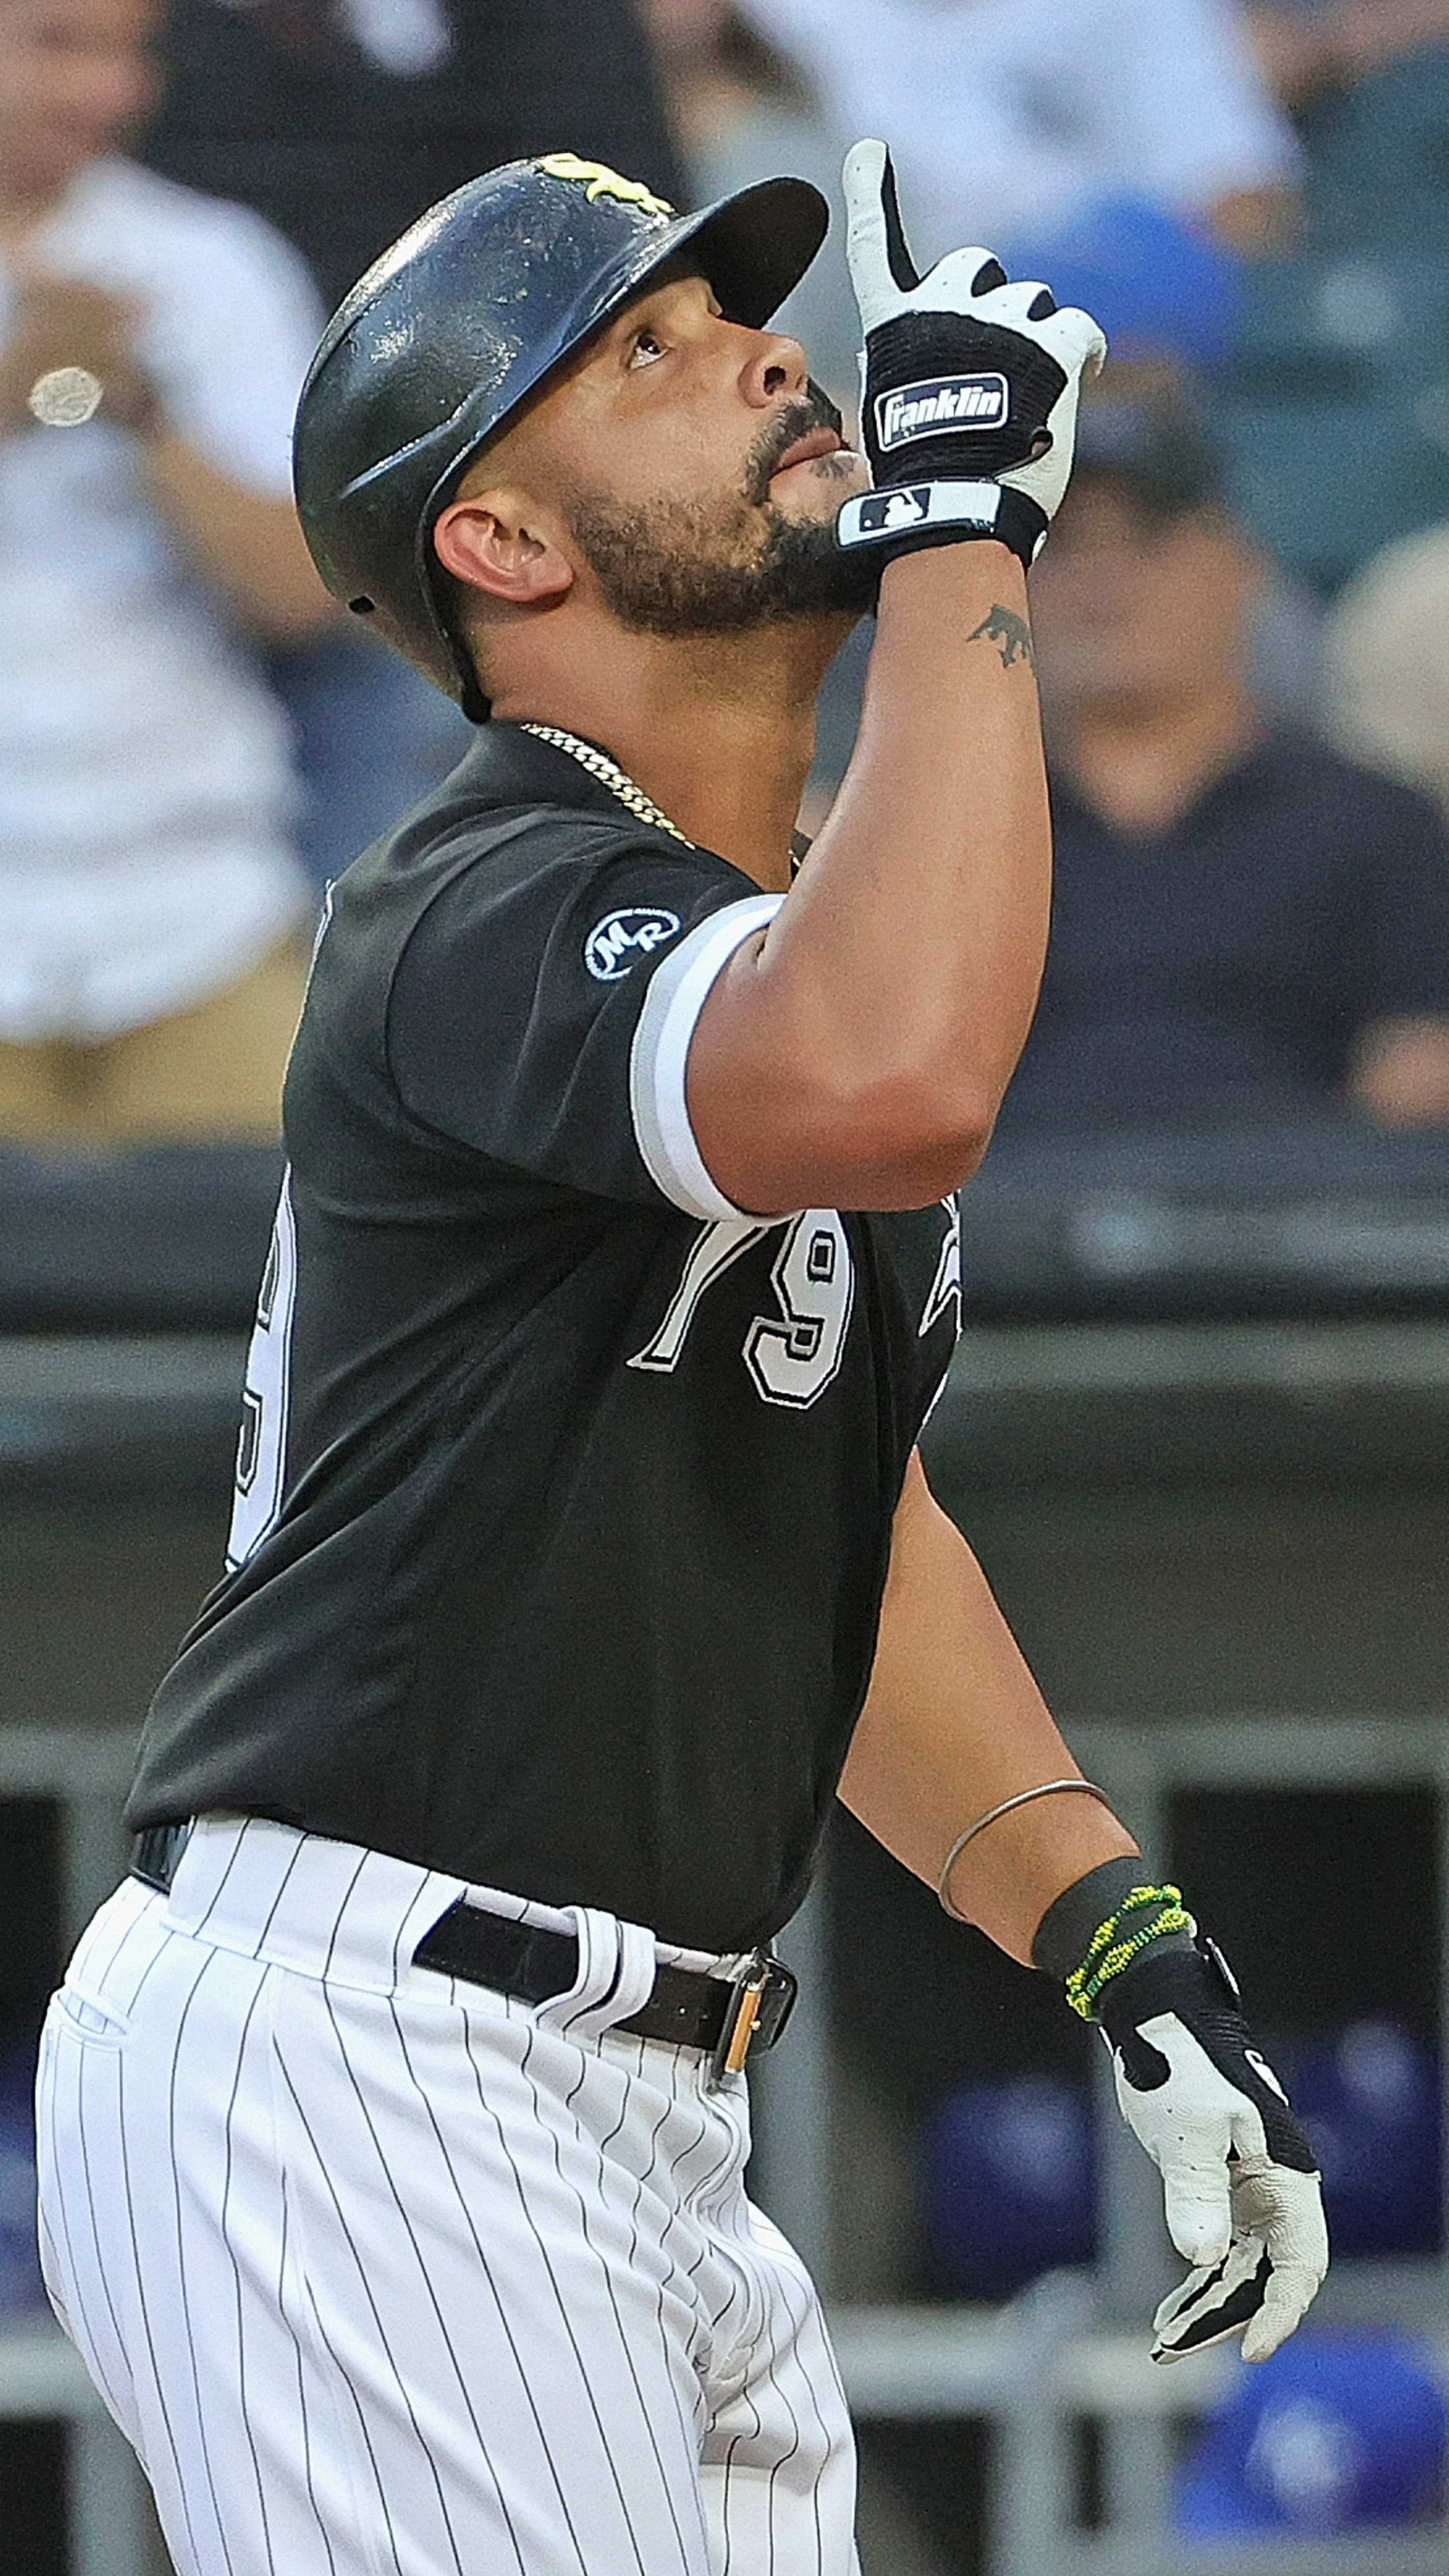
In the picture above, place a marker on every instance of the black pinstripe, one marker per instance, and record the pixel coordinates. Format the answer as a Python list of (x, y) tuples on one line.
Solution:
[(608, 2279), (670, 2108), (727, 2465), (677, 2271), (184, 2303), (691, 2436), (241, 2366), (362, 1860), (808, 2321), (433, 2301), (126, 1934), (343, 2374), (486, 2268), (564, 2318), (166, 2427), (373, 2310), (785, 2457), (113, 2401), (405, 1938), (195, 1930), (301, 2393), (283, 1885)]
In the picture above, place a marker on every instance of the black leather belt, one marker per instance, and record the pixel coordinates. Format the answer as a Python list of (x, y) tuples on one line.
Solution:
[(156, 1852), (723, 2016)]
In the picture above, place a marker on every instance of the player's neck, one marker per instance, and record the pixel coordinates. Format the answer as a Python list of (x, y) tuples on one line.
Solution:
[(718, 731)]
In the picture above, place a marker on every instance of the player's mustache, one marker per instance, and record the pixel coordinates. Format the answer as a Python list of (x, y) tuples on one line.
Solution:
[(811, 410)]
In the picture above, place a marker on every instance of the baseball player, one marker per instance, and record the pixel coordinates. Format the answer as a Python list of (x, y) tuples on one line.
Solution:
[(393, 2115)]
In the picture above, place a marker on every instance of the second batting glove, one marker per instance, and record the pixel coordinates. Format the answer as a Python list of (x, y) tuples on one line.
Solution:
[(1241, 2192), (970, 386)]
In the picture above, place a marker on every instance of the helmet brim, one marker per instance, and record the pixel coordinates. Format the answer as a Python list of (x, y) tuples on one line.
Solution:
[(754, 246)]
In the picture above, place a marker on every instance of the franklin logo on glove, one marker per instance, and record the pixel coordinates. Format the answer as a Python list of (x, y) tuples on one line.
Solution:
[(941, 403)]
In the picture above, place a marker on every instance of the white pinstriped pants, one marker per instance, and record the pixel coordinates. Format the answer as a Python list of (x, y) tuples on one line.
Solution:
[(384, 2274)]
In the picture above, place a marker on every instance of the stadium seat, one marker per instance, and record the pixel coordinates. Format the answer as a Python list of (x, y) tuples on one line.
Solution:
[(1337, 2433), (1369, 2099), (1009, 2183), (1334, 409)]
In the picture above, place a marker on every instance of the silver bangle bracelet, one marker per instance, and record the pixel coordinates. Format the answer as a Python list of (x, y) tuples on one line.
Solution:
[(1023, 1798)]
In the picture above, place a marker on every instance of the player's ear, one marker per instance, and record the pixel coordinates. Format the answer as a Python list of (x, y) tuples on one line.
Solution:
[(499, 541)]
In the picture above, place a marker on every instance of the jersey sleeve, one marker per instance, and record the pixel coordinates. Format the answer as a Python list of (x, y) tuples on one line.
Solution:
[(543, 1008)]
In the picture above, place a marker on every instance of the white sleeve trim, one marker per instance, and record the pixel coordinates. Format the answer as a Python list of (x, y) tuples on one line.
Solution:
[(678, 990)]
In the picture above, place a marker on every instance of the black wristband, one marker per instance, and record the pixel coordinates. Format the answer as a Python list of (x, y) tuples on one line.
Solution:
[(1065, 1930)]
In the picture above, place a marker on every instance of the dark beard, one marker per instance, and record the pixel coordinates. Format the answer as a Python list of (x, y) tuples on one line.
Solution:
[(720, 567), (667, 570)]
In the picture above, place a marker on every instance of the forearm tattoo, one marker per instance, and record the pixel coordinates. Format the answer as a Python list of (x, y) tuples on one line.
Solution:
[(1010, 633)]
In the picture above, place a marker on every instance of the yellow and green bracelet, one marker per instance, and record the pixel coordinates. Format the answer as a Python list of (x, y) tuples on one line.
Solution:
[(1115, 1944)]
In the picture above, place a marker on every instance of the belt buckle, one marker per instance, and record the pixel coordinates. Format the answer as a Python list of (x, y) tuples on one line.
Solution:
[(761, 1999)]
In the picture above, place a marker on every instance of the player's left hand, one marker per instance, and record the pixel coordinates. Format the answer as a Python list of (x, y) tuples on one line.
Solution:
[(1242, 2195)]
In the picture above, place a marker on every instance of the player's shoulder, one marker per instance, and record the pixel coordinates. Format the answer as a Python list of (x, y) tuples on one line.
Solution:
[(520, 866), (525, 823)]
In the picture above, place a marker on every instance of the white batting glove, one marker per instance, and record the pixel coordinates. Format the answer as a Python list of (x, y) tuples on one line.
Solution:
[(970, 386), (1241, 2193)]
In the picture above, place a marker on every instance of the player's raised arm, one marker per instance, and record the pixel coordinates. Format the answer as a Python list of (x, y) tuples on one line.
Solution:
[(957, 1767), (856, 1055)]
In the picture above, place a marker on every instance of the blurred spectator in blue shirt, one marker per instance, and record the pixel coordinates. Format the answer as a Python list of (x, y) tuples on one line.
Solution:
[(1245, 926)]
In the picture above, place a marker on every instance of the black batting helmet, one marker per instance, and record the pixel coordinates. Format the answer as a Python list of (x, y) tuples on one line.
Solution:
[(450, 331)]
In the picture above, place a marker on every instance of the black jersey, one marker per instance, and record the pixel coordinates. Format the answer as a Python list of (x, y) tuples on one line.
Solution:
[(564, 1489)]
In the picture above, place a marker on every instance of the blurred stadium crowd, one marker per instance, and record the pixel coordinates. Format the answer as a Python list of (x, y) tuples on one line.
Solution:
[(1242, 623), (1243, 619)]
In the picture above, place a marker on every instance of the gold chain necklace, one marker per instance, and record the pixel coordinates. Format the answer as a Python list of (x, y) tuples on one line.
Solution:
[(610, 775)]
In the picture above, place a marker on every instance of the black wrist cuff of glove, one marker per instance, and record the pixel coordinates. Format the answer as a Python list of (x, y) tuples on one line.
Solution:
[(904, 518), (1188, 1978)]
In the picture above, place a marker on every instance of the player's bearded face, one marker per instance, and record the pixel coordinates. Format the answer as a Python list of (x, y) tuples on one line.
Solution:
[(719, 564)]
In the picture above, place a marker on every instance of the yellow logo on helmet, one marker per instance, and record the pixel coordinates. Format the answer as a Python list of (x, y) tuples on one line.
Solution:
[(601, 181)]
